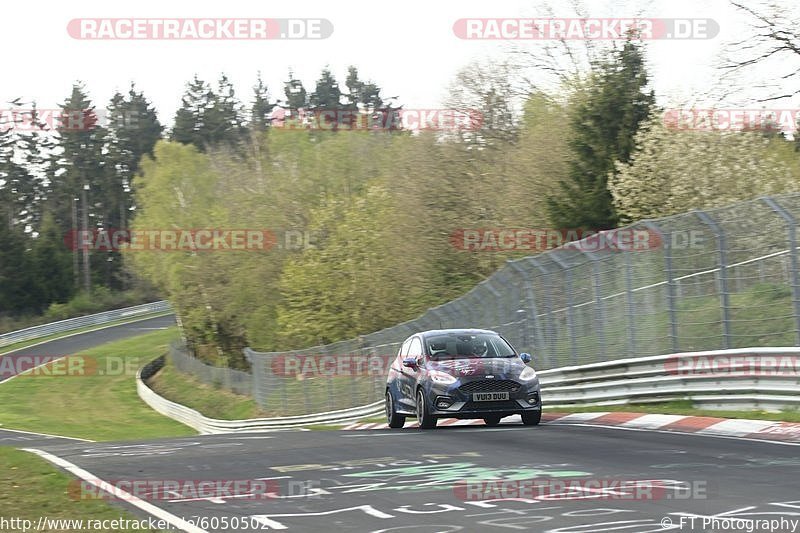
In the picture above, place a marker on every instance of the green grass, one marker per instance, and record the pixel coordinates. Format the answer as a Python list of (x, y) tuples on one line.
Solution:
[(681, 407), (210, 401), (30, 488), (95, 407)]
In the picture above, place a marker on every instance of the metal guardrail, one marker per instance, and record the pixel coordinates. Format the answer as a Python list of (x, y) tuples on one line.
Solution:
[(205, 425), (680, 377), (639, 380), (70, 324)]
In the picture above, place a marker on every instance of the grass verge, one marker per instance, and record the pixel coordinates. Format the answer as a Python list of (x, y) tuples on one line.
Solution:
[(31, 488), (211, 401), (96, 407)]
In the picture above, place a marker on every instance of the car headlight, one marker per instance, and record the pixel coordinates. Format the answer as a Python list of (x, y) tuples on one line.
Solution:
[(527, 374), (442, 377)]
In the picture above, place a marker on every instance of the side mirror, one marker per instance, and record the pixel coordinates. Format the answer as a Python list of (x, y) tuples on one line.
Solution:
[(410, 362), (526, 357)]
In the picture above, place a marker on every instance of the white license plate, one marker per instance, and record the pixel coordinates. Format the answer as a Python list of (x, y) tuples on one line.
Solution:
[(489, 396)]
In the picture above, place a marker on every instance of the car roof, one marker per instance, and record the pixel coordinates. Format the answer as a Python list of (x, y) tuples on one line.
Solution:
[(459, 331)]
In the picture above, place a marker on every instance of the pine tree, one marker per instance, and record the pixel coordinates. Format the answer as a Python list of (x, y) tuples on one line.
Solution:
[(296, 96), (207, 118), (189, 117), (81, 181), (50, 265), (133, 130), (261, 108), (20, 190), (604, 122), (223, 122), (16, 290)]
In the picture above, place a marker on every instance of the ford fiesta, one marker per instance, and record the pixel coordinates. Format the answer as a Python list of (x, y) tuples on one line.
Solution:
[(461, 373)]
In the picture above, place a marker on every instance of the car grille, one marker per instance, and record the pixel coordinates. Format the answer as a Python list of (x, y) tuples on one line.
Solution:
[(489, 385), (490, 406)]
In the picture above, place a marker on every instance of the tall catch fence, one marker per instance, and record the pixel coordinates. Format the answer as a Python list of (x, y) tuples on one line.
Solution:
[(713, 279)]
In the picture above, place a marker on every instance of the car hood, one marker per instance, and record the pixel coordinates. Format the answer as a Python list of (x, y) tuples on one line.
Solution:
[(501, 368)]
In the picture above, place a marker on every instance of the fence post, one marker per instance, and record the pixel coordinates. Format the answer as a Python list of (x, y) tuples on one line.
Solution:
[(666, 238), (532, 312), (598, 301), (261, 382), (570, 305), (723, 276), (435, 312), (630, 306), (791, 233), (548, 307)]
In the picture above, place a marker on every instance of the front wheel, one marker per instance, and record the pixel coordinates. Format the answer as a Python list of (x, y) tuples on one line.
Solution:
[(395, 420), (532, 418), (425, 419)]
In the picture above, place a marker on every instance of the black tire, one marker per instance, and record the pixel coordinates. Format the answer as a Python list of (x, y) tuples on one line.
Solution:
[(395, 420), (426, 420), (532, 418), (491, 420)]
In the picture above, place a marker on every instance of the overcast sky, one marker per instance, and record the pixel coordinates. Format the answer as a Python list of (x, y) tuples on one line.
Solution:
[(407, 47)]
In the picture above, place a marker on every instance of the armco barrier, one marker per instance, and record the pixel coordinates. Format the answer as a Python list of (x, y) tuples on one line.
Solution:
[(664, 378), (638, 380), (70, 324), (206, 425)]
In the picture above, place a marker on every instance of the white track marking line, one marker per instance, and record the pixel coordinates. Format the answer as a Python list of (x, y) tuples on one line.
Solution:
[(147, 507), (579, 417), (43, 434)]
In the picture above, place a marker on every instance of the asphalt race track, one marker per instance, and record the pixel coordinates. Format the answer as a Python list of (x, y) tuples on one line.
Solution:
[(440, 480), (83, 341)]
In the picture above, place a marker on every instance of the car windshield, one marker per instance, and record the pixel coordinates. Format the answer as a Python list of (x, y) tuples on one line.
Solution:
[(455, 345)]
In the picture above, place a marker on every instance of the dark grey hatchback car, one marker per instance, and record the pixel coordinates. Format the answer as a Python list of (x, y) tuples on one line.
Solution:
[(461, 373)]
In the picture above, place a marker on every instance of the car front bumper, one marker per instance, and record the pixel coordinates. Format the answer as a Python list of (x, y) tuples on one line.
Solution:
[(526, 398)]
